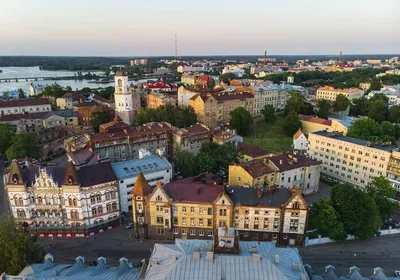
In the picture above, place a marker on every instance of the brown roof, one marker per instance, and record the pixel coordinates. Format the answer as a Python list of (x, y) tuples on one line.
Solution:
[(24, 102), (83, 156), (141, 188), (114, 126), (86, 104), (223, 96), (193, 129), (315, 120), (96, 174), (26, 116), (257, 168), (289, 161), (252, 151), (298, 134), (201, 189), (75, 96), (102, 99)]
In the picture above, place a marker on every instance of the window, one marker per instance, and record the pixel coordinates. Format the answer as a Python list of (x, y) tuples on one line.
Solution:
[(175, 220), (175, 231), (94, 211), (184, 231), (92, 199), (209, 233), (246, 212), (257, 212), (184, 210), (114, 206), (209, 222), (175, 209), (222, 212), (222, 223), (201, 232), (183, 221), (158, 198), (191, 210), (160, 220), (108, 196), (100, 210), (160, 231), (294, 225), (108, 207), (159, 208), (98, 198), (201, 211), (201, 222), (209, 211), (192, 221), (112, 193), (192, 232)]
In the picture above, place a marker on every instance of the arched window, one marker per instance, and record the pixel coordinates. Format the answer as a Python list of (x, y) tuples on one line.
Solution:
[(18, 213), (16, 200), (98, 197), (34, 213), (70, 201), (64, 213), (92, 198), (108, 207), (76, 215), (100, 210), (114, 206), (55, 200), (94, 211), (74, 202), (72, 214), (47, 200), (119, 82), (40, 200), (23, 214), (107, 195), (32, 199), (112, 194), (15, 178)]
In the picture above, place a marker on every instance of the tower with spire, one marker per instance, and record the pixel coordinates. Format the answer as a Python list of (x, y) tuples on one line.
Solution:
[(123, 98)]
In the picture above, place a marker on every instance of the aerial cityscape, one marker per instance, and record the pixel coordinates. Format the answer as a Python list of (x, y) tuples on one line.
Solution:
[(174, 140)]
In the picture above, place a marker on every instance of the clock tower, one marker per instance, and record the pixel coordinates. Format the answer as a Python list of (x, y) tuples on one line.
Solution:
[(123, 98)]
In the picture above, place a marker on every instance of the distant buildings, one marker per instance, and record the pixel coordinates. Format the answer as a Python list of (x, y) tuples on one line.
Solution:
[(21, 106), (157, 99), (188, 79), (86, 109), (142, 61), (330, 93), (35, 89), (192, 68), (191, 138), (354, 273), (158, 86), (393, 96), (223, 135), (69, 100), (234, 70)]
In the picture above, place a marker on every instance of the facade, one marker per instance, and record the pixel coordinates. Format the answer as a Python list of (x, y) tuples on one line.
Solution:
[(249, 152), (63, 199), (255, 173), (157, 99), (311, 124), (393, 96), (191, 138), (184, 96), (85, 110), (300, 142), (349, 160), (330, 93), (393, 171), (269, 95), (223, 135), (149, 168), (21, 106), (69, 100), (123, 99), (70, 117), (188, 79), (197, 207), (121, 145)]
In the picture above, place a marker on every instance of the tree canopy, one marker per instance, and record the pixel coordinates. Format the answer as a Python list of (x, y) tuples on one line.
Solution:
[(341, 103), (394, 114), (324, 107), (227, 77), (381, 191), (6, 135), (241, 120), (180, 117), (185, 163), (97, 119), (377, 110), (269, 113), (370, 130), (292, 123), (18, 249), (23, 145)]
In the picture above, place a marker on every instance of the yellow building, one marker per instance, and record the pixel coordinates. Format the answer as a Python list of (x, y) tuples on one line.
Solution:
[(157, 99), (254, 173), (330, 93), (311, 124)]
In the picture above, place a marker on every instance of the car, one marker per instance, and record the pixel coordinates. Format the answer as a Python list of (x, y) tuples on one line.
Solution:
[(130, 225)]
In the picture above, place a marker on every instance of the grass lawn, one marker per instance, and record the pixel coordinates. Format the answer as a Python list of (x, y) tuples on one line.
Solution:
[(270, 137)]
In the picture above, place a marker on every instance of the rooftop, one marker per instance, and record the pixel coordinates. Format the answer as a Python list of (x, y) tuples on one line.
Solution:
[(75, 96), (24, 102), (345, 90), (249, 196), (339, 136), (344, 120), (315, 120), (68, 113), (289, 161), (83, 156), (298, 134), (256, 168), (193, 129), (252, 151), (131, 168), (101, 99)]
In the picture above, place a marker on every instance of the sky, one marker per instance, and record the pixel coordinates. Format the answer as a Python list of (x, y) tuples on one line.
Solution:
[(206, 27)]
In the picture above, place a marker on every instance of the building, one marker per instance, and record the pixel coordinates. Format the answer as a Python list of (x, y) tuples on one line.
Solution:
[(123, 99), (148, 169), (234, 70), (311, 124), (197, 259), (300, 142), (205, 81), (213, 109), (121, 145), (27, 105), (69, 100), (223, 135), (70, 117), (393, 96), (196, 207), (330, 93), (365, 85), (142, 61), (290, 79), (157, 99), (82, 157), (191, 138), (103, 101), (49, 269), (35, 89), (191, 68), (393, 171), (184, 96), (349, 160), (274, 95), (249, 152), (254, 173), (159, 86), (188, 79), (86, 109), (63, 198)]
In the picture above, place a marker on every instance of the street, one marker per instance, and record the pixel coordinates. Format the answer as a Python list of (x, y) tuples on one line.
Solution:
[(383, 252)]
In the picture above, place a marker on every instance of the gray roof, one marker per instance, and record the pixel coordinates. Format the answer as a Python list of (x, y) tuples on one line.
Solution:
[(354, 274), (68, 113), (176, 262), (356, 141), (51, 270), (248, 196), (131, 168)]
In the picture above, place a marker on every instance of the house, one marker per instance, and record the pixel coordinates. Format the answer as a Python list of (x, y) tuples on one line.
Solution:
[(300, 142), (191, 138), (82, 157), (224, 135), (26, 105), (311, 124), (157, 99), (249, 152), (69, 100), (330, 93)]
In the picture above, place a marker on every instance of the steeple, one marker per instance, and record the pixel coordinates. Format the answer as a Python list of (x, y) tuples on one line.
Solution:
[(70, 175), (141, 188), (16, 174)]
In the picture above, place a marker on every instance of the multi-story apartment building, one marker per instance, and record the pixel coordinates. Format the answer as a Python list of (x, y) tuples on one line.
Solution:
[(184, 96), (330, 93), (85, 110), (269, 95), (21, 106), (188, 79), (191, 138), (124, 144), (196, 207), (349, 160), (213, 109), (393, 172), (63, 199), (157, 99), (69, 100)]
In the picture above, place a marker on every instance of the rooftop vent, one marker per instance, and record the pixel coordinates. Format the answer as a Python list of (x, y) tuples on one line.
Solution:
[(256, 257), (154, 261), (210, 256), (277, 259), (196, 255), (296, 266)]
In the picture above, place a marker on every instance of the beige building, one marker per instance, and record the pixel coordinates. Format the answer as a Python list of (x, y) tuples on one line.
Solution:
[(191, 138), (157, 99), (69, 100), (188, 79), (21, 106), (393, 172), (311, 124), (349, 160), (330, 93)]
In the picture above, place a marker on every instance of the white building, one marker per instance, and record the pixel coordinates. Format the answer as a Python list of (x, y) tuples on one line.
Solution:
[(234, 70), (300, 142), (330, 93), (27, 105), (184, 96), (123, 98), (191, 68), (154, 168), (62, 198), (393, 96), (274, 95)]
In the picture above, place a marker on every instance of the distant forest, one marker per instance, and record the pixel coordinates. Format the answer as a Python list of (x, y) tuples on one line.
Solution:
[(100, 63)]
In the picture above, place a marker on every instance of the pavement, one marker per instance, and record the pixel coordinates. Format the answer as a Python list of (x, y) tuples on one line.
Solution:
[(323, 192), (383, 252)]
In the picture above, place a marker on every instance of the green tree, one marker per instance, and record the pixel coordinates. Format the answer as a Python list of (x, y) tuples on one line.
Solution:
[(377, 111), (227, 77), (376, 84), (87, 90), (381, 192), (269, 114), (216, 158), (185, 117), (68, 88), (357, 211), (388, 129), (394, 114), (21, 93), (379, 96), (107, 92), (327, 221), (97, 119), (295, 102), (341, 103), (145, 115), (6, 135), (6, 94), (241, 120), (23, 145), (366, 129), (18, 249), (360, 107), (323, 108), (292, 123), (185, 163)]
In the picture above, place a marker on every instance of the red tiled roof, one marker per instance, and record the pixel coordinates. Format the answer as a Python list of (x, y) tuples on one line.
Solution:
[(222, 96), (76, 96), (24, 102), (298, 134), (256, 168), (315, 120), (253, 151), (201, 189), (158, 85), (289, 161)]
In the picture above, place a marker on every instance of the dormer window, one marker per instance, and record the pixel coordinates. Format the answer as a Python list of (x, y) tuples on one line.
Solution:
[(296, 205), (70, 180), (15, 178), (158, 198)]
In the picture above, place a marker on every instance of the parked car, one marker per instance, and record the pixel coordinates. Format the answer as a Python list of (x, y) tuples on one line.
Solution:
[(130, 225)]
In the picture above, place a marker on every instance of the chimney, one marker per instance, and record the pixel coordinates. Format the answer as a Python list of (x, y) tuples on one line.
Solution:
[(154, 261), (277, 259), (259, 193), (196, 255), (253, 249), (49, 257), (354, 268), (256, 257), (329, 267), (280, 162), (210, 256), (296, 266)]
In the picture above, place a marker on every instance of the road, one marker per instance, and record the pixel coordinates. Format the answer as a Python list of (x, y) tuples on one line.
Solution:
[(381, 252)]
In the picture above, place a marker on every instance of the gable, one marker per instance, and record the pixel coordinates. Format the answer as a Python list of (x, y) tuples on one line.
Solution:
[(296, 202), (224, 199), (159, 195)]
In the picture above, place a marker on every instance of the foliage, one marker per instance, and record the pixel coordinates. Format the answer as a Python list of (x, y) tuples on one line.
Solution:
[(180, 117), (379, 96), (292, 123), (327, 220), (360, 107), (323, 108), (227, 77), (6, 135), (107, 93), (269, 113), (18, 249), (298, 103), (376, 84), (394, 114), (97, 119), (380, 191), (53, 91), (216, 158), (377, 110), (366, 129), (21, 93), (23, 145), (185, 163), (341, 103), (241, 120), (68, 88), (357, 211)]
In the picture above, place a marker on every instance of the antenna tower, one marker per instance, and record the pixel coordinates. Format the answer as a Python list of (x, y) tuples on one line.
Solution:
[(265, 57), (176, 46), (340, 57)]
